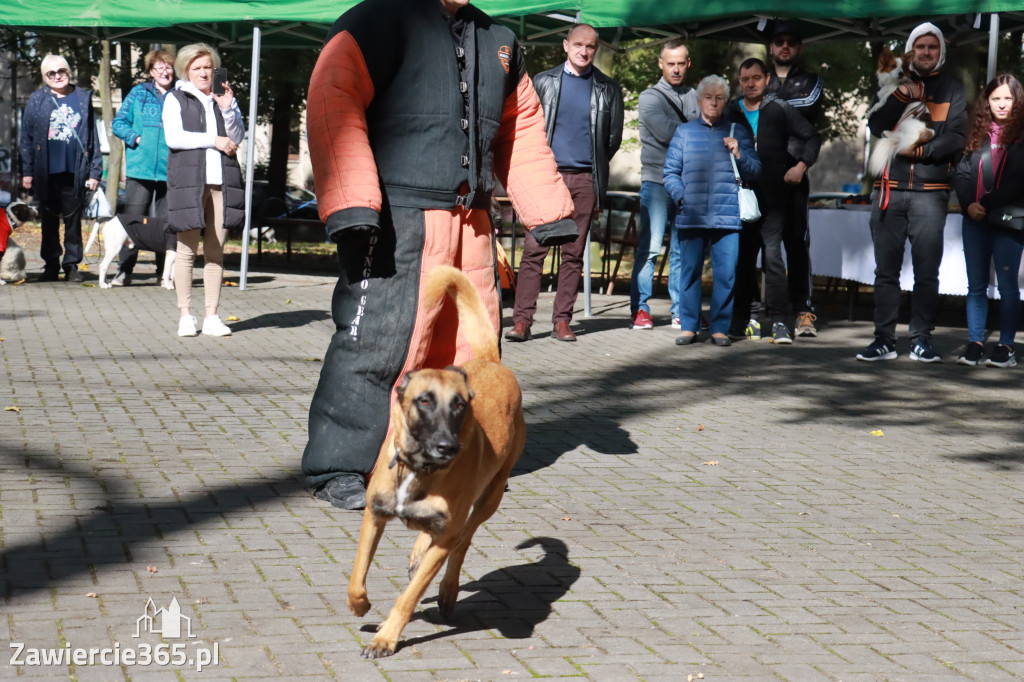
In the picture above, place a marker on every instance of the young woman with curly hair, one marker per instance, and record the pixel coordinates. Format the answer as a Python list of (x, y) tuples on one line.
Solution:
[(994, 149)]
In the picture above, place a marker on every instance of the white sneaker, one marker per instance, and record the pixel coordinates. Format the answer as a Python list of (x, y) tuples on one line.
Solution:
[(675, 323), (187, 326), (213, 326)]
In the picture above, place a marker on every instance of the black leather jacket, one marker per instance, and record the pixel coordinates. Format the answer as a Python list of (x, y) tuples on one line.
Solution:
[(605, 119)]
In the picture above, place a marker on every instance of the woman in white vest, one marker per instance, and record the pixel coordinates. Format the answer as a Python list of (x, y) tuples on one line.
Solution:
[(204, 181)]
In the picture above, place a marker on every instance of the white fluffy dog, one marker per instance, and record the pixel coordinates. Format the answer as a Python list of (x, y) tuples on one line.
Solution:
[(148, 232), (912, 130), (12, 267)]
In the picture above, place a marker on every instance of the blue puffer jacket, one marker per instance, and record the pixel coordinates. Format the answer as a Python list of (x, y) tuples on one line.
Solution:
[(141, 115), (699, 176)]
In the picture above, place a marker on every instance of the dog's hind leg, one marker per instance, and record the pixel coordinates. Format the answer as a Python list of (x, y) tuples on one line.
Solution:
[(482, 510)]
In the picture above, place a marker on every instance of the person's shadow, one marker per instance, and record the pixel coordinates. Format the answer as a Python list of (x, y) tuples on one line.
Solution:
[(512, 600)]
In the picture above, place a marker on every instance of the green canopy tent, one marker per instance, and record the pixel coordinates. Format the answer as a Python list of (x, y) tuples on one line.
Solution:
[(304, 23)]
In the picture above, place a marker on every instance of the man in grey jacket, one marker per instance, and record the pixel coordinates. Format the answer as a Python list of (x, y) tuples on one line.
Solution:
[(662, 108), (583, 118)]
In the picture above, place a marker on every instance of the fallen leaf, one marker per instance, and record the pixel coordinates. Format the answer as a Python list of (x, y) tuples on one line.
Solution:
[(232, 318), (567, 518), (229, 283), (895, 516), (711, 463), (1, 338), (877, 432), (88, 284), (506, 672), (700, 427), (151, 569), (700, 676), (288, 301), (20, 281), (83, 266), (204, 600), (803, 513), (91, 595), (313, 360), (12, 408), (689, 678)]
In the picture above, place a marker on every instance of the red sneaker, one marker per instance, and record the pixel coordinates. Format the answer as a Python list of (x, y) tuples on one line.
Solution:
[(642, 320)]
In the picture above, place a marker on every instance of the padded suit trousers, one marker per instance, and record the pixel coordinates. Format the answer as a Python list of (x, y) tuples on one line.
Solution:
[(382, 330)]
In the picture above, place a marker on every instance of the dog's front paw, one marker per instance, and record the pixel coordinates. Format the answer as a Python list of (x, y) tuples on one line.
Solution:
[(379, 648), (168, 285), (359, 605), (104, 284)]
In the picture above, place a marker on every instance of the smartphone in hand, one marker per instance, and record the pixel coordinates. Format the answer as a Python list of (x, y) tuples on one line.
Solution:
[(220, 77)]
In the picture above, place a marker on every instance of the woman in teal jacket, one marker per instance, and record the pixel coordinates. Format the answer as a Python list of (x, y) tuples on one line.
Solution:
[(140, 124)]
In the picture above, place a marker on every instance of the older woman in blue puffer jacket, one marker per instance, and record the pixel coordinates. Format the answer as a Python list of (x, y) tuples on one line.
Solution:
[(698, 175)]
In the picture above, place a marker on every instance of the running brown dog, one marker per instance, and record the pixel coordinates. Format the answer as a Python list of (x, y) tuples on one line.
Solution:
[(455, 435)]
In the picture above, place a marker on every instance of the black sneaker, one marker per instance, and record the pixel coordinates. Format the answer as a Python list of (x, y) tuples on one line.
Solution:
[(973, 354), (344, 491), (49, 276), (880, 349), (74, 276), (921, 351), (780, 333), (1002, 356)]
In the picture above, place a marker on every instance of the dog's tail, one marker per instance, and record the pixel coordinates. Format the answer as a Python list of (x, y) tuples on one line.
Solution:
[(475, 322), (92, 237), (882, 154)]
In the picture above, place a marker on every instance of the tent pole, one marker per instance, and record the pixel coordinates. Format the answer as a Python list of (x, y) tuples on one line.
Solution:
[(250, 153), (993, 46)]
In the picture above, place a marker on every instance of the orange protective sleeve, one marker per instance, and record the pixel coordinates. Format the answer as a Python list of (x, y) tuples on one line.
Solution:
[(524, 163), (340, 90)]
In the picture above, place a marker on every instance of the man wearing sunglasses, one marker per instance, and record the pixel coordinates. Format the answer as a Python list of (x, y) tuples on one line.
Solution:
[(802, 90)]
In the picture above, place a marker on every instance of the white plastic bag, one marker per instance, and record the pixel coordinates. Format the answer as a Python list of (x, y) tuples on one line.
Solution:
[(97, 208)]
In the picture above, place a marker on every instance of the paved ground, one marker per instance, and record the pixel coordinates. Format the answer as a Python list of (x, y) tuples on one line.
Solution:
[(751, 513)]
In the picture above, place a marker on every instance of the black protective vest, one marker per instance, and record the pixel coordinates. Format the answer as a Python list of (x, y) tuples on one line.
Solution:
[(437, 105), (186, 174)]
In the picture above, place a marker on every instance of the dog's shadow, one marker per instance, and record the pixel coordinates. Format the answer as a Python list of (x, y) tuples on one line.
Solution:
[(512, 600)]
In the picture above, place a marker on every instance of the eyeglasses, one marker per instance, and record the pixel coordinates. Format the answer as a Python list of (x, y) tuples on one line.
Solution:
[(59, 72), (790, 42), (163, 68)]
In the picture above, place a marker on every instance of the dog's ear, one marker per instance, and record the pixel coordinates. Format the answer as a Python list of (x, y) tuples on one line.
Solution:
[(886, 60), (402, 385)]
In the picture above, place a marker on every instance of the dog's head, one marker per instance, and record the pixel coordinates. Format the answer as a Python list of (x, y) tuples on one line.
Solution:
[(893, 69), (18, 212), (428, 417)]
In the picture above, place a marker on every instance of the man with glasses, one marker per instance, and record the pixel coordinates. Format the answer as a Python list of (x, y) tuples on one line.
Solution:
[(802, 90)]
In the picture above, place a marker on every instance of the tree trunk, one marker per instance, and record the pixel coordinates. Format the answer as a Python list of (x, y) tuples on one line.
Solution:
[(277, 173), (116, 148)]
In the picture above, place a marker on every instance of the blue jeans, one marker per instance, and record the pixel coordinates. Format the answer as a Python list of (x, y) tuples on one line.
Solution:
[(725, 247), (983, 245), (656, 210)]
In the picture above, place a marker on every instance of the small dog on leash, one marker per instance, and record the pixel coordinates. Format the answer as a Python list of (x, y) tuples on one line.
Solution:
[(912, 130), (455, 435), (150, 233), (12, 264)]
